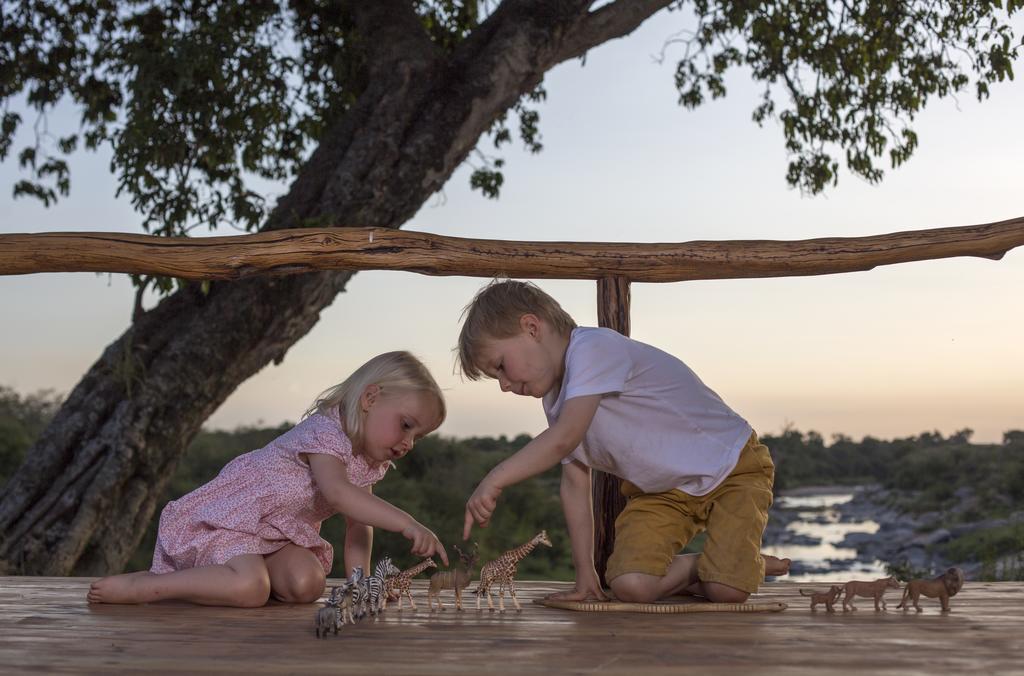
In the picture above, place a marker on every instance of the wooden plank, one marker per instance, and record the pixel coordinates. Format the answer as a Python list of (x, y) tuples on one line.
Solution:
[(45, 624), (283, 252)]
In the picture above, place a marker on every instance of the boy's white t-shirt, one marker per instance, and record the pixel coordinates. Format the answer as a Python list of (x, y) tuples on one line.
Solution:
[(657, 425)]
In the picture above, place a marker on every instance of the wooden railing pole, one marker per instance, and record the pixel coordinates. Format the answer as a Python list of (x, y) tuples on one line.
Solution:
[(613, 313)]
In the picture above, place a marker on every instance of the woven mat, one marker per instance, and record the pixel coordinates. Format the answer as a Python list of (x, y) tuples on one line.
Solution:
[(663, 607)]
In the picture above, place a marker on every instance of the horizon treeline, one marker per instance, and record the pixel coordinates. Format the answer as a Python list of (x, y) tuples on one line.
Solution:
[(434, 481)]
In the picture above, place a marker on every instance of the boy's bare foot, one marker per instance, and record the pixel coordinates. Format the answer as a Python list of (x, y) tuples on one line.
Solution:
[(124, 588), (775, 566)]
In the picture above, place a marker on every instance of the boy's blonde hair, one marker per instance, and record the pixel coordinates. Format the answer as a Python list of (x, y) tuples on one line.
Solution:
[(394, 373), (494, 313)]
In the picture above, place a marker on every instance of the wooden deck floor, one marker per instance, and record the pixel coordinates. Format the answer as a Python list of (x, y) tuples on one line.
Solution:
[(45, 624)]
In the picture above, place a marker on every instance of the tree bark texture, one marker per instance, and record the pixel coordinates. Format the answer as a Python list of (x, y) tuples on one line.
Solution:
[(284, 252), (82, 499), (613, 313)]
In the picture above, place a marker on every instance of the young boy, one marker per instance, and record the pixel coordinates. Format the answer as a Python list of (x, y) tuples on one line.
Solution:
[(687, 461)]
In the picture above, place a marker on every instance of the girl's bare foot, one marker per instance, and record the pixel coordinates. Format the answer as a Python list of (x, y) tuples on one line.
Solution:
[(774, 566), (126, 588)]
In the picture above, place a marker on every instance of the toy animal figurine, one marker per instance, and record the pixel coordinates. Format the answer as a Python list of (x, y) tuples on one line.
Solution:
[(344, 598), (373, 587), (942, 587), (502, 571), (358, 597), (457, 579), (326, 620), (402, 583), (337, 609), (828, 598), (875, 590)]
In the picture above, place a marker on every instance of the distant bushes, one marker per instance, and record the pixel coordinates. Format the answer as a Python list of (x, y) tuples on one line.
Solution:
[(925, 473), (927, 470), (22, 419)]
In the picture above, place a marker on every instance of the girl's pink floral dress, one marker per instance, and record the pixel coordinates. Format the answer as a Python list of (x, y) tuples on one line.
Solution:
[(260, 501)]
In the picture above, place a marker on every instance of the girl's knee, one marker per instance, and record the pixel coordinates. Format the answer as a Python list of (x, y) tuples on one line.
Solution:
[(253, 590), (635, 588), (305, 585)]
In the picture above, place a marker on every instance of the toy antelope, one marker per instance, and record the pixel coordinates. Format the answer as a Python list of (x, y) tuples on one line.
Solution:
[(457, 579), (502, 570)]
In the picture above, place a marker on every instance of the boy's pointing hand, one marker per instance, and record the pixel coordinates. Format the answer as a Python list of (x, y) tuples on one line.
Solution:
[(480, 506)]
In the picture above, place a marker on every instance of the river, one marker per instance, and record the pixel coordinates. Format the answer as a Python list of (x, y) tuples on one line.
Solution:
[(811, 536)]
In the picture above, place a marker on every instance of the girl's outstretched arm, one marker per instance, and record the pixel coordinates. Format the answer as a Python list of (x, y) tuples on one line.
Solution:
[(332, 479), (358, 543)]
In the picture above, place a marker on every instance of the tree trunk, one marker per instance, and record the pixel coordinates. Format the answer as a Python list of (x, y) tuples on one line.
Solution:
[(613, 313), (82, 499)]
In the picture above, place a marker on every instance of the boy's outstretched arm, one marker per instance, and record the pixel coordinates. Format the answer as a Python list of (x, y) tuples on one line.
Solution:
[(578, 505), (545, 451)]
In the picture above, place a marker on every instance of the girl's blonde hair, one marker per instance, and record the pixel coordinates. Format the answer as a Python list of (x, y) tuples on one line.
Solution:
[(394, 373), (494, 313)]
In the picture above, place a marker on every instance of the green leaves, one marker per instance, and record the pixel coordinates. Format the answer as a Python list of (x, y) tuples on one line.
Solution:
[(488, 178), (847, 76), (196, 99)]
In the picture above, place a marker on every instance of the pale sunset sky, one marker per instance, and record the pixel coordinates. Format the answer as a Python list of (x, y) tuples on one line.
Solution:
[(891, 352)]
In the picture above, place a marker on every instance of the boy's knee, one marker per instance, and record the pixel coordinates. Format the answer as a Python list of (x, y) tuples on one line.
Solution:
[(722, 593), (635, 588)]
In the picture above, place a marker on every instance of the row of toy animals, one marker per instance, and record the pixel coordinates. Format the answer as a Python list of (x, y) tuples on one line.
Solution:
[(353, 598), (359, 594), (942, 587)]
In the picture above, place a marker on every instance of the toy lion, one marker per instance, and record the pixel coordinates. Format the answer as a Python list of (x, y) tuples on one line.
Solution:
[(942, 587), (828, 598)]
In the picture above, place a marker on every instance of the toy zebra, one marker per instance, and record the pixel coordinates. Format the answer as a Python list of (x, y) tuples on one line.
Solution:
[(503, 571), (373, 586), (337, 609), (358, 596), (343, 598), (402, 583)]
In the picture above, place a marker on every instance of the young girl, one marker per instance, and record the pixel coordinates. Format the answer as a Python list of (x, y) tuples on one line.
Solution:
[(254, 531)]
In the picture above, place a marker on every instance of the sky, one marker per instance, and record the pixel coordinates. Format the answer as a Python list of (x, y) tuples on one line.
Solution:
[(891, 352)]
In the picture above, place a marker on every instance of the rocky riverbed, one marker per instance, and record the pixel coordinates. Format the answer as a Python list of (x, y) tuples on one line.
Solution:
[(834, 533)]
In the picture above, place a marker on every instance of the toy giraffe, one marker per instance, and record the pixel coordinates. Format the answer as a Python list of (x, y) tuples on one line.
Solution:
[(402, 583), (503, 571)]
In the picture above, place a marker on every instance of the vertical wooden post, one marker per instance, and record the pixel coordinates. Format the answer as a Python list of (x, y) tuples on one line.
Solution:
[(612, 313)]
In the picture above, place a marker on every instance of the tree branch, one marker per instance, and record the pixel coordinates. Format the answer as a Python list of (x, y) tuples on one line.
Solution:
[(390, 32), (614, 20)]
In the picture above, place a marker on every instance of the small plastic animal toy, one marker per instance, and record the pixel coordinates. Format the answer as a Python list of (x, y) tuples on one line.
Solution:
[(502, 571), (372, 590), (875, 589), (828, 598), (326, 619), (942, 587), (337, 609), (401, 584), (343, 598), (457, 579), (358, 597)]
